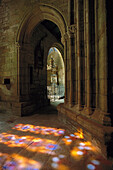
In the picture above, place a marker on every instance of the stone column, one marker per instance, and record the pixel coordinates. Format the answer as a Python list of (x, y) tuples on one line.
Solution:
[(69, 11), (71, 78), (65, 38), (96, 53), (88, 60), (71, 34), (85, 52), (18, 68), (76, 69), (79, 58)]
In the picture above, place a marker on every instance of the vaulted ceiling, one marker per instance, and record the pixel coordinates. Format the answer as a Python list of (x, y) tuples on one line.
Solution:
[(52, 28)]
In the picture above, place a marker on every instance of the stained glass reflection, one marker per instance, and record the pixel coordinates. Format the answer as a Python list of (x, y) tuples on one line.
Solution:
[(71, 151), (39, 129), (72, 137), (35, 144), (17, 162)]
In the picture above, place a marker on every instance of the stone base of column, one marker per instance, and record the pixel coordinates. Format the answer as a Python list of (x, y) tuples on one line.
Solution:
[(102, 117), (65, 101), (71, 105), (99, 134), (88, 111), (80, 107)]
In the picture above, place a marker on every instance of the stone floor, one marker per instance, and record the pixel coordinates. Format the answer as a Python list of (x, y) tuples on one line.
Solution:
[(40, 141)]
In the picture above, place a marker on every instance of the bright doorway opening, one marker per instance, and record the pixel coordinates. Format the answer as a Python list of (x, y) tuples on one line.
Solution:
[(55, 75)]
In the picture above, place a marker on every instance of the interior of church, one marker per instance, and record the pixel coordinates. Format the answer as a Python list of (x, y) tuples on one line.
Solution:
[(56, 85)]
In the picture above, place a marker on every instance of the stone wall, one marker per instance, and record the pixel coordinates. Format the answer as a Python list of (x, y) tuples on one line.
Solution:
[(14, 69)]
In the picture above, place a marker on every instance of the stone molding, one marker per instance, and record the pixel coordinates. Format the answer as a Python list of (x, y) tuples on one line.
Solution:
[(70, 33), (72, 28), (66, 36), (17, 45)]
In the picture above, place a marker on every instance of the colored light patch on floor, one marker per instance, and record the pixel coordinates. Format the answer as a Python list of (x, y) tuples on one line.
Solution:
[(93, 164), (59, 162), (39, 129), (43, 146), (35, 144), (77, 154), (15, 140), (79, 134), (87, 146), (17, 162), (98, 163), (82, 149), (72, 137)]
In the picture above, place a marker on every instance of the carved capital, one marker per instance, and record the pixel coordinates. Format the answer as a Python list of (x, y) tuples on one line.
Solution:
[(72, 28), (17, 45)]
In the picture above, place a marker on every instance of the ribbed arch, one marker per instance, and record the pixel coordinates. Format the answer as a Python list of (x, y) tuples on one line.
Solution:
[(36, 16)]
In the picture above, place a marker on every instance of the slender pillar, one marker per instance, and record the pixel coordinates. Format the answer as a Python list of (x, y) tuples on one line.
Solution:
[(75, 97), (88, 60), (65, 63), (76, 56), (79, 58), (18, 68), (85, 52), (69, 12), (71, 34), (96, 53), (71, 70)]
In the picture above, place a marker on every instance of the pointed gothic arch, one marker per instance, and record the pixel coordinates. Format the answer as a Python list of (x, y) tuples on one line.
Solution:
[(31, 20), (37, 15)]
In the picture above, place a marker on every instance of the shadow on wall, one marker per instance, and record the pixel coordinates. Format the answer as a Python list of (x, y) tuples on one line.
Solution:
[(110, 147)]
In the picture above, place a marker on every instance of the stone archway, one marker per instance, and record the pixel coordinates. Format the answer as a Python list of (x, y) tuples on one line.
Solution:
[(27, 30), (38, 14)]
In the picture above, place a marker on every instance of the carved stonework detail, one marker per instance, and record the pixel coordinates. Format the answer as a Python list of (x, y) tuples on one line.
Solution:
[(71, 31), (65, 37), (17, 45), (72, 28)]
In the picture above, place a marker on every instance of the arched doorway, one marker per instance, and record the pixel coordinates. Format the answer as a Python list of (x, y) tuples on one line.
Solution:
[(55, 75), (35, 37)]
